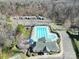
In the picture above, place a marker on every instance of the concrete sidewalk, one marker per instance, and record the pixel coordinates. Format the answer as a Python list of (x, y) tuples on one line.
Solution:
[(68, 49)]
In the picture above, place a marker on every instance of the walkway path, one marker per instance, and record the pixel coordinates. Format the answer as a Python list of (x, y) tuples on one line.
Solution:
[(68, 50)]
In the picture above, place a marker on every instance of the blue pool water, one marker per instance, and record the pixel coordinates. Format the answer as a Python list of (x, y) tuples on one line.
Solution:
[(43, 31)]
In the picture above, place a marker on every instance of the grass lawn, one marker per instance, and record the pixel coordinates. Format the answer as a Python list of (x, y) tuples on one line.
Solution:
[(7, 53), (73, 32), (77, 43), (55, 27), (21, 29), (27, 33)]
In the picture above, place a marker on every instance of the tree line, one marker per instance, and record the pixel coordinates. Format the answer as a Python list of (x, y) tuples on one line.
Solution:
[(58, 11)]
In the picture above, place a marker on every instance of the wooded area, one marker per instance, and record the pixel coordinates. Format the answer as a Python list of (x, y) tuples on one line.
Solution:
[(60, 11)]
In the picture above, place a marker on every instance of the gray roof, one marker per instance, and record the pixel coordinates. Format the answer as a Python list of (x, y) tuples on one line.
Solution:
[(45, 47), (39, 47), (43, 39), (52, 46)]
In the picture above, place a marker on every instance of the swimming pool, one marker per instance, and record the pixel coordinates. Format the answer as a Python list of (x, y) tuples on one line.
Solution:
[(43, 31)]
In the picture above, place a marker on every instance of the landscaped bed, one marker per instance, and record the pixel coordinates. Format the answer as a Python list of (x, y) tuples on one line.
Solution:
[(77, 44), (75, 41)]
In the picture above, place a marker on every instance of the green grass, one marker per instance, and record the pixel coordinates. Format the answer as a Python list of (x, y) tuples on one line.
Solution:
[(8, 19), (7, 53), (0, 55), (77, 43), (27, 33), (73, 32), (5, 56), (21, 29), (55, 27)]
